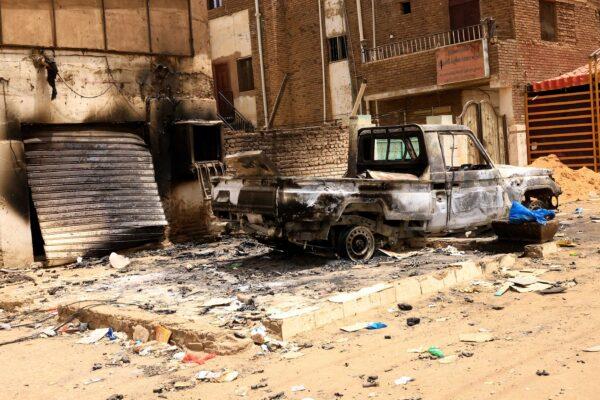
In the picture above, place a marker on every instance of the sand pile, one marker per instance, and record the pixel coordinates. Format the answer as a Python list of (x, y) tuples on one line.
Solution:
[(577, 185)]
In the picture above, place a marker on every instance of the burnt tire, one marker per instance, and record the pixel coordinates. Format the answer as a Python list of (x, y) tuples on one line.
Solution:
[(356, 243)]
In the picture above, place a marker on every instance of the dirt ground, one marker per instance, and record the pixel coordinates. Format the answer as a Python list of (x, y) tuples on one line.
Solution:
[(531, 333)]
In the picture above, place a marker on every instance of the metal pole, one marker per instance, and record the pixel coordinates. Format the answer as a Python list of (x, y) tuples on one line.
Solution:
[(262, 61), (322, 35), (374, 25)]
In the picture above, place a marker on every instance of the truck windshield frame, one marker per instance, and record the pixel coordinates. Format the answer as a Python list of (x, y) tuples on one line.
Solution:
[(392, 149)]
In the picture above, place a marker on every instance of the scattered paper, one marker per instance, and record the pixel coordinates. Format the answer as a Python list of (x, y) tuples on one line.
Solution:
[(448, 359), (479, 337), (118, 261), (594, 349), (299, 388), (94, 336), (355, 328), (403, 380)]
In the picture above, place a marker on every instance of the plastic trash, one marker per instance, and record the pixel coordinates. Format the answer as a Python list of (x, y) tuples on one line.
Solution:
[(111, 335), (376, 325), (403, 380), (259, 335), (191, 358), (520, 214), (118, 261), (434, 351)]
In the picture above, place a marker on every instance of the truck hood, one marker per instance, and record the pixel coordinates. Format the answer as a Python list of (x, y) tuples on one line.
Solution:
[(510, 171)]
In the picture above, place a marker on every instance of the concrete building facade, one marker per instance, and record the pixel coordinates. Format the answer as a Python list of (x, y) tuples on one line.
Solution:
[(112, 76)]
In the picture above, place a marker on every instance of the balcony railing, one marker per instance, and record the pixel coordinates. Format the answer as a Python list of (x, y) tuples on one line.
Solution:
[(429, 42)]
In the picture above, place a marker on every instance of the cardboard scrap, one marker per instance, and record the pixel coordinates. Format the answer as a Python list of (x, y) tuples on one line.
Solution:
[(479, 337), (356, 327), (162, 334), (94, 336), (594, 349)]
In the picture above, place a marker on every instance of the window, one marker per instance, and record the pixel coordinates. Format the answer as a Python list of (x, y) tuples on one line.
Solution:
[(406, 9), (337, 48), (405, 149), (548, 20), (461, 153), (245, 74), (212, 4)]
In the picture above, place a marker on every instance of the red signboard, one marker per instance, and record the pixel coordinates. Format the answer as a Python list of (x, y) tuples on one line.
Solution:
[(462, 62)]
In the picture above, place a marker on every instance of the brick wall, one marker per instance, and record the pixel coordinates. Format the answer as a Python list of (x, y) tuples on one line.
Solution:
[(319, 151), (292, 45), (529, 59)]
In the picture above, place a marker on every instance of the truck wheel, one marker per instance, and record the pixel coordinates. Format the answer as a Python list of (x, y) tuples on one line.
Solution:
[(357, 243)]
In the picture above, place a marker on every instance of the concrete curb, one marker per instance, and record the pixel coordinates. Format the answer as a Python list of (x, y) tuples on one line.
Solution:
[(342, 307)]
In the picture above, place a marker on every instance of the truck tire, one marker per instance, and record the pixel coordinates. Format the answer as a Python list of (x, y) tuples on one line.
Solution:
[(356, 243)]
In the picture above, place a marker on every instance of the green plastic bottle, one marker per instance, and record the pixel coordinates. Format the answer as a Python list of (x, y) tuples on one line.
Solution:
[(434, 351)]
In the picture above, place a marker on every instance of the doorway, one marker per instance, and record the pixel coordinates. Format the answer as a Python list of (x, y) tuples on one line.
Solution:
[(224, 91), (464, 13)]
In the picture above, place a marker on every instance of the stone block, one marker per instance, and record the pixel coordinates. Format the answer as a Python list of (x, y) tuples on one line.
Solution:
[(541, 250), (467, 271), (430, 284), (407, 290)]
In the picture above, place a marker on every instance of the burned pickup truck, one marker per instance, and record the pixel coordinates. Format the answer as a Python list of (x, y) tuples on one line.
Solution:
[(411, 180)]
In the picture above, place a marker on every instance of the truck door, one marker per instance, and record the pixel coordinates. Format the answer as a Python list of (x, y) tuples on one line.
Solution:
[(473, 185)]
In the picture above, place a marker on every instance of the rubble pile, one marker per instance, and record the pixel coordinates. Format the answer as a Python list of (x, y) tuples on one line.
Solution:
[(577, 185)]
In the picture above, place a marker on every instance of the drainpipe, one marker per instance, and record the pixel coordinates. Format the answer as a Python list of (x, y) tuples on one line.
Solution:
[(361, 33), (323, 63), (374, 29), (262, 62)]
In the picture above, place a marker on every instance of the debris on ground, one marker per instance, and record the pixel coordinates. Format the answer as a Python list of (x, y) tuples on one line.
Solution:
[(479, 337), (118, 261), (403, 380), (371, 381), (594, 349), (436, 352), (576, 185), (94, 336)]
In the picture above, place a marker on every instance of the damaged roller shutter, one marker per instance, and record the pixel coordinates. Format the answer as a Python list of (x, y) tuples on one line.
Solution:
[(94, 192)]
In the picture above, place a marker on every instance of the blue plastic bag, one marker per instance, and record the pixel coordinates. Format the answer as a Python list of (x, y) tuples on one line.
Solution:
[(376, 325), (520, 214)]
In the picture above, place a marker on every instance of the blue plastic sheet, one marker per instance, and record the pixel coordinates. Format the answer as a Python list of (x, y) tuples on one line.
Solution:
[(520, 214)]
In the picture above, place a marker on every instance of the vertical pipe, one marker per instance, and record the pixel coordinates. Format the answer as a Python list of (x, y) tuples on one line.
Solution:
[(149, 25), (361, 32), (374, 25), (262, 62), (53, 24), (593, 115), (322, 36), (104, 35)]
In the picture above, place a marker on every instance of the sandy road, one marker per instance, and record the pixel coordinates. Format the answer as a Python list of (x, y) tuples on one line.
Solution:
[(531, 332)]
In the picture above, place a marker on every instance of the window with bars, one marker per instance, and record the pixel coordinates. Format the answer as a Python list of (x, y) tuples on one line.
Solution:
[(212, 4)]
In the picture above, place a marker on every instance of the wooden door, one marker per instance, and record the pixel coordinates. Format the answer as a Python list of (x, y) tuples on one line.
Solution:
[(224, 90)]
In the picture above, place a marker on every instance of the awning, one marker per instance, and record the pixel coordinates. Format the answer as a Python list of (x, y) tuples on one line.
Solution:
[(94, 192), (577, 77)]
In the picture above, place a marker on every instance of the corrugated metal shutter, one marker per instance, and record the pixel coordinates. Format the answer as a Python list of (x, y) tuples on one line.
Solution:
[(94, 192)]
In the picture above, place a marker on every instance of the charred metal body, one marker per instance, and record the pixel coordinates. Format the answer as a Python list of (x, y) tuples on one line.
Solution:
[(410, 182)]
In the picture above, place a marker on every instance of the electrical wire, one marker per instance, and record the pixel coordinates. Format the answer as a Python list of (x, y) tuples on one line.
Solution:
[(110, 85)]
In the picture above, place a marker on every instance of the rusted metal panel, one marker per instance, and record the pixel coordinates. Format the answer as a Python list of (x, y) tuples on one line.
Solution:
[(94, 192), (561, 124)]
